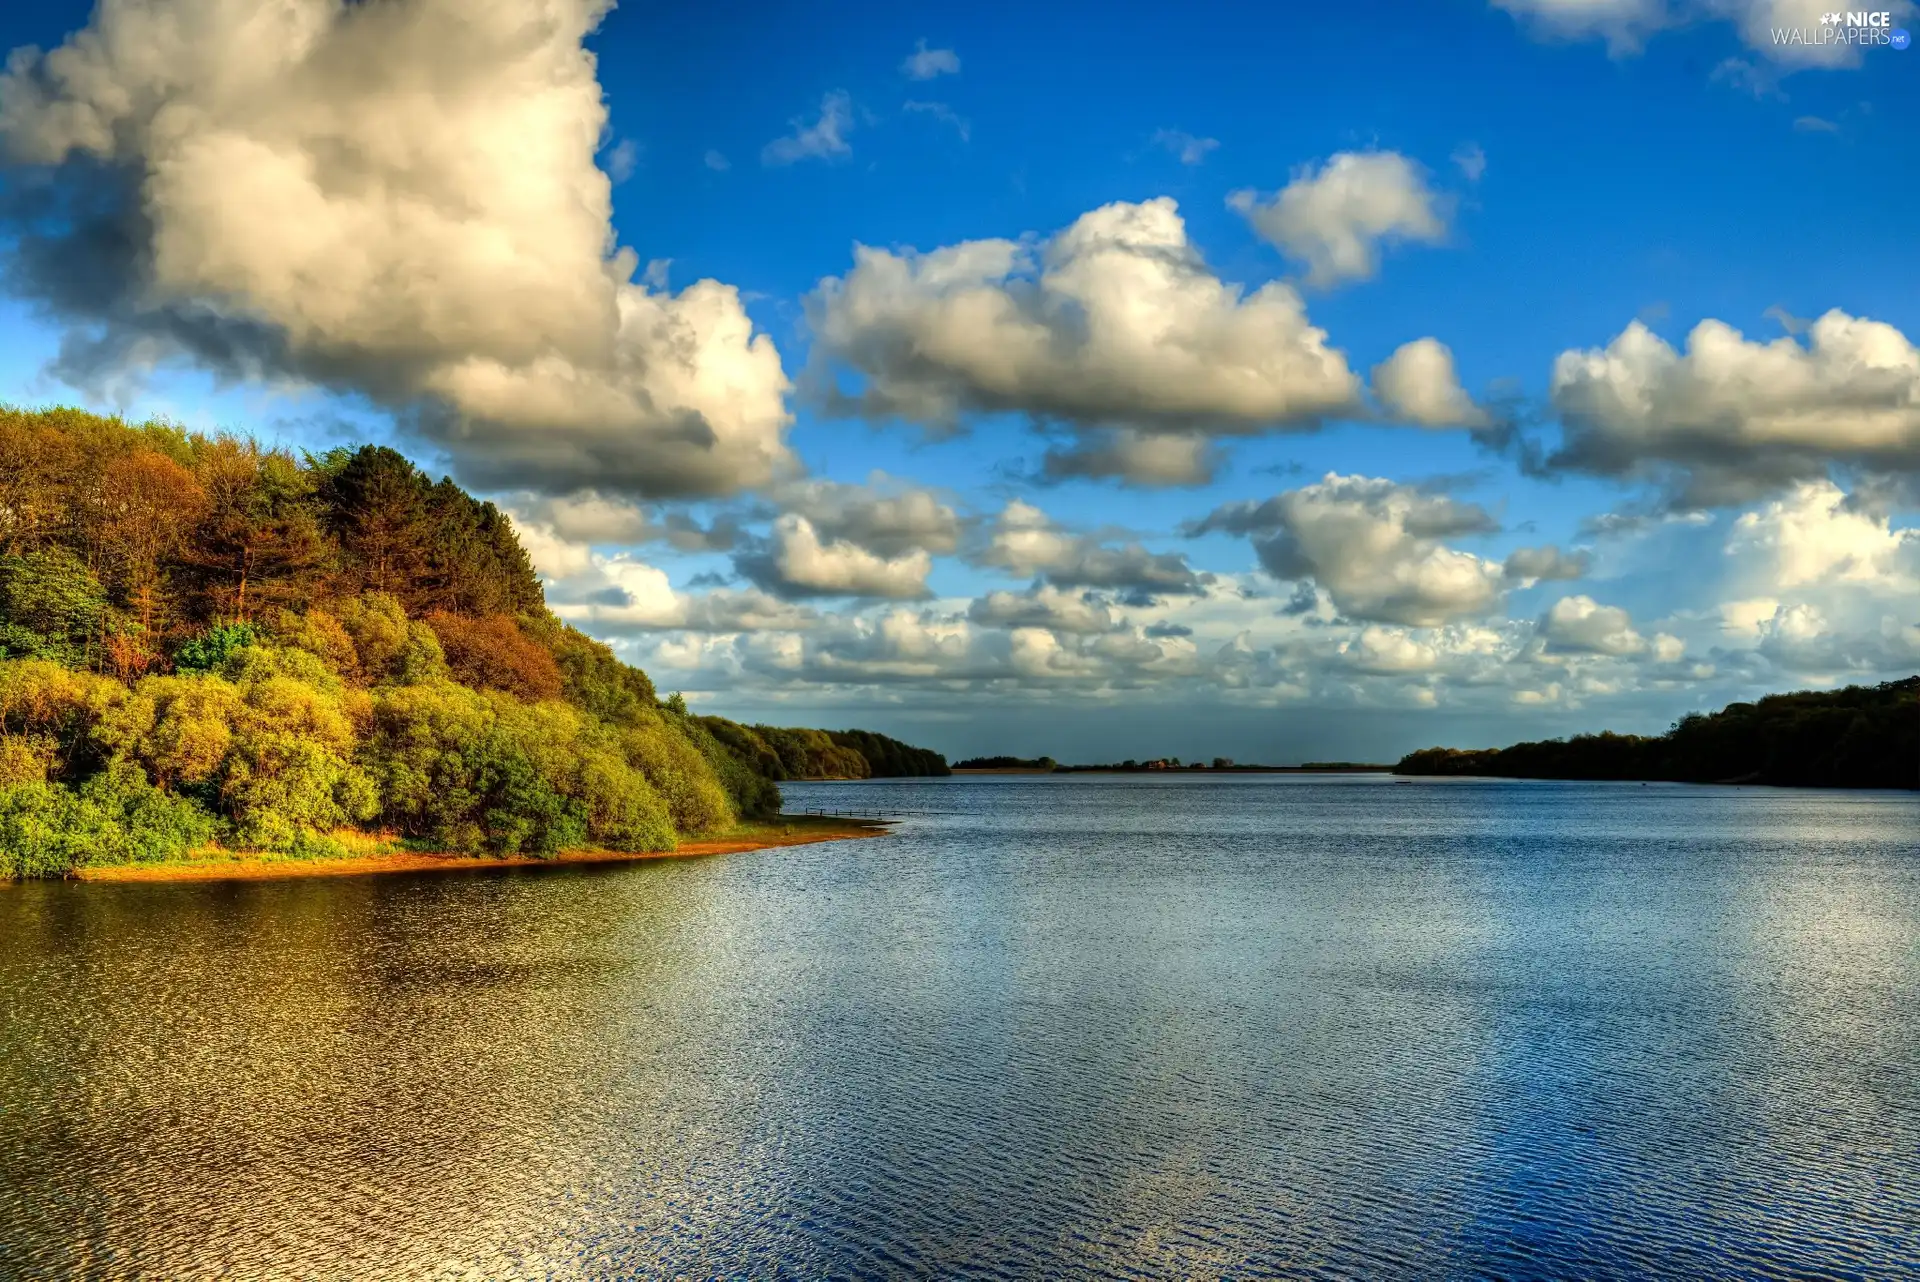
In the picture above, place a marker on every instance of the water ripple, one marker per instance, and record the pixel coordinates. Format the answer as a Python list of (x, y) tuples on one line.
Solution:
[(1097, 1028)]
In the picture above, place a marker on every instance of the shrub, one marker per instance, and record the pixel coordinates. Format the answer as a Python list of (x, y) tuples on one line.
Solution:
[(320, 634), (388, 647), (658, 747), (54, 710), (749, 781), (51, 606), (213, 647), (49, 830), (291, 769)]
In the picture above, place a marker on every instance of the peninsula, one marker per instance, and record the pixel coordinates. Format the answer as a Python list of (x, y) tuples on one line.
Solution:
[(215, 654)]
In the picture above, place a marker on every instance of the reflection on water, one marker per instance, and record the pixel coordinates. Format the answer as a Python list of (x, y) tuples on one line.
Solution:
[(1092, 1026)]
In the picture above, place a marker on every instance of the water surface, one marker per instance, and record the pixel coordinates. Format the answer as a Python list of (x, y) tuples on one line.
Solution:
[(1068, 1026)]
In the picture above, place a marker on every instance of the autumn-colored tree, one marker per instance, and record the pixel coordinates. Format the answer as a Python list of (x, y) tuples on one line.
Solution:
[(38, 465), (492, 653), (142, 509)]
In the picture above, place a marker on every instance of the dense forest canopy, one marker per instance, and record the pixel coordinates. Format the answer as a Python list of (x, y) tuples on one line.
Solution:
[(204, 640), (1858, 737)]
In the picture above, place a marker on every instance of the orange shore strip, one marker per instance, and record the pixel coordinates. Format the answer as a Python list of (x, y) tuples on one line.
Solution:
[(242, 869)]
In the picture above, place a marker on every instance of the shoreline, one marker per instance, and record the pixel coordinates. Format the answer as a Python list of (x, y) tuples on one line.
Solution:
[(799, 830), (1184, 770)]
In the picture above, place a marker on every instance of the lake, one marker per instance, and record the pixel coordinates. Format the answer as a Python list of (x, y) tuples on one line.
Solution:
[(1053, 1027)]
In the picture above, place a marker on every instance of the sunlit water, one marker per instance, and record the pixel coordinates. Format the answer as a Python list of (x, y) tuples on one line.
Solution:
[(1063, 1027)]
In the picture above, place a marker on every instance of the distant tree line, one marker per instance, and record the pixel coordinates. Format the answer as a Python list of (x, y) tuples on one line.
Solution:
[(1007, 763), (1858, 737), (782, 753), (204, 641), (1133, 766)]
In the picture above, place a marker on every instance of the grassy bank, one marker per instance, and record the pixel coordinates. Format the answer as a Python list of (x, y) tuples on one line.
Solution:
[(378, 855)]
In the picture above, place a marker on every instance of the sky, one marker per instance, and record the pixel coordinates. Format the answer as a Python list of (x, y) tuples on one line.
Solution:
[(1261, 381)]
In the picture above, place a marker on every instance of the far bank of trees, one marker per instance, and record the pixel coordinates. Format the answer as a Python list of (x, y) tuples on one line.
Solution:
[(205, 641), (1857, 737)]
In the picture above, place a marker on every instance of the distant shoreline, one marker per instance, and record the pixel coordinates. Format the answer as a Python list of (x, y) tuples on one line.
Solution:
[(1182, 770), (791, 830)]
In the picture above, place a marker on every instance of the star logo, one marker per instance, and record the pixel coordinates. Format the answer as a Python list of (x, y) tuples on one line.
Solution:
[(1829, 19)]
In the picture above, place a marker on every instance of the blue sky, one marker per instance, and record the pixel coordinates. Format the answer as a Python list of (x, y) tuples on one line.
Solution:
[(1539, 183)]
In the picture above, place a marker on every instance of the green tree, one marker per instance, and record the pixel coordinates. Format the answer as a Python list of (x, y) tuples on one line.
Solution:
[(51, 607)]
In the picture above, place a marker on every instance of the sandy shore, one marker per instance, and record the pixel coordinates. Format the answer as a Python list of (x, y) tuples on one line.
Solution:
[(793, 831)]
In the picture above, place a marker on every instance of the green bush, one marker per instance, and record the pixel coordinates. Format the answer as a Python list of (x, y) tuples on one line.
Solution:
[(213, 647), (469, 771), (117, 817), (658, 746), (747, 772), (51, 607)]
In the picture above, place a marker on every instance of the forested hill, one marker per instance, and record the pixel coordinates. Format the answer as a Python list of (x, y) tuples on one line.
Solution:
[(1859, 737), (204, 641)]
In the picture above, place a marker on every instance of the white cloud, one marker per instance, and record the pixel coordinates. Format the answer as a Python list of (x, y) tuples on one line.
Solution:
[(824, 139), (1470, 160), (1114, 322), (399, 199), (1743, 618), (621, 595), (1336, 219), (585, 518), (1627, 24), (1624, 24), (623, 160), (1812, 537), (553, 555), (1045, 606), (1026, 541), (925, 64), (716, 161), (1140, 458), (1802, 639), (886, 518), (1374, 545), (1418, 384), (1189, 149), (805, 564), (1389, 650), (1581, 625), (1731, 419)]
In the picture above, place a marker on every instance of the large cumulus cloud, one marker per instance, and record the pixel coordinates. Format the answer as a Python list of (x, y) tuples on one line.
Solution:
[(797, 561), (1114, 323), (1374, 545), (1730, 419), (398, 199)]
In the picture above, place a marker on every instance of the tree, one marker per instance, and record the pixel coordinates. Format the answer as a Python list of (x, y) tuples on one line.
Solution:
[(492, 653), (38, 464), (142, 509), (259, 544), (376, 506)]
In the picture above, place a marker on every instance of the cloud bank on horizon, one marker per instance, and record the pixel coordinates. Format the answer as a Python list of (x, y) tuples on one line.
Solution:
[(408, 206)]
